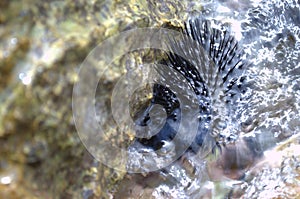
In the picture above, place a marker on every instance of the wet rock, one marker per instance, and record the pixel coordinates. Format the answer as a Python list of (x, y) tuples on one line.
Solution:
[(35, 152), (42, 45)]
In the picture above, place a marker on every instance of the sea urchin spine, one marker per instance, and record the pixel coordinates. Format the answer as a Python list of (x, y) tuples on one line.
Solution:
[(214, 70)]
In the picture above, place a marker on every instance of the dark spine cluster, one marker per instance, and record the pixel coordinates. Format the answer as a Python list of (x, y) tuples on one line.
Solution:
[(213, 67)]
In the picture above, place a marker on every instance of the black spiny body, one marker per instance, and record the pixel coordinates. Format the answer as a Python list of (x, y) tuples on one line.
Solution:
[(213, 66)]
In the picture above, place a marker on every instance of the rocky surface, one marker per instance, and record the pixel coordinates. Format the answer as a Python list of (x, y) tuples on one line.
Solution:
[(42, 45)]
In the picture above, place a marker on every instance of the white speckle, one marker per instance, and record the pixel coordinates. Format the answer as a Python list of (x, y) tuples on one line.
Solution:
[(256, 2), (50, 54), (6, 180), (14, 41), (209, 185), (273, 157), (236, 27), (223, 9), (25, 78)]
